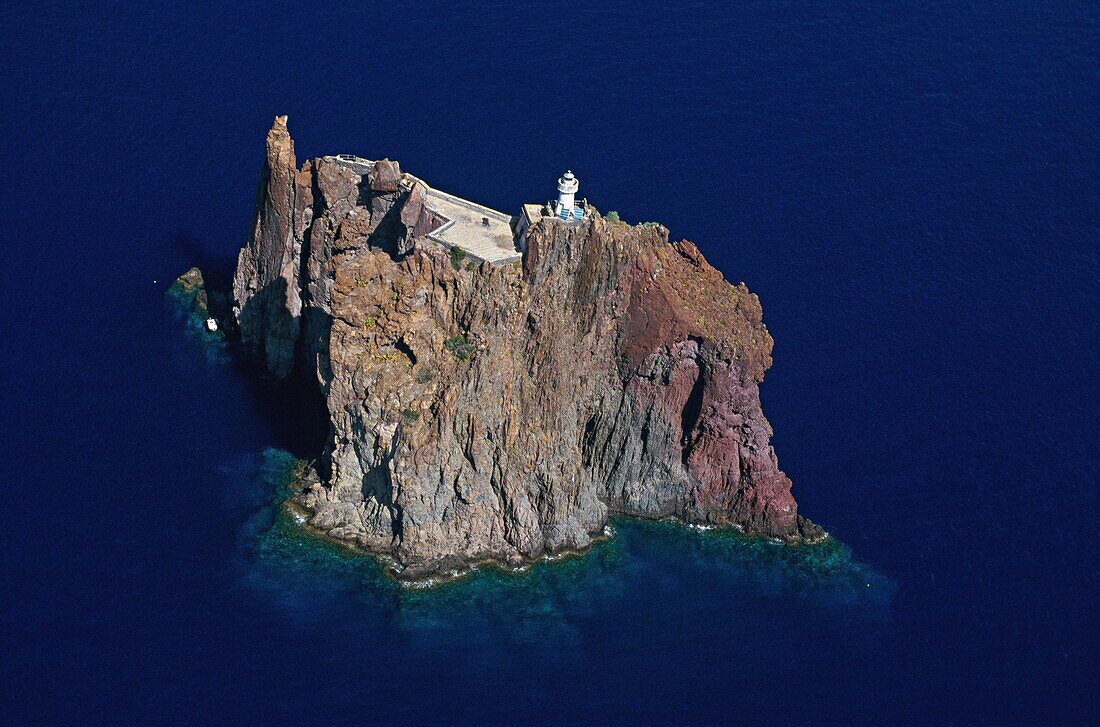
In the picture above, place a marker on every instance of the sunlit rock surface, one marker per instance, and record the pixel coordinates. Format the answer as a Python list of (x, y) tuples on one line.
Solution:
[(501, 412)]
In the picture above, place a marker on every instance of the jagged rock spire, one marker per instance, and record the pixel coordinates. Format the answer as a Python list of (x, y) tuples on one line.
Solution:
[(266, 292)]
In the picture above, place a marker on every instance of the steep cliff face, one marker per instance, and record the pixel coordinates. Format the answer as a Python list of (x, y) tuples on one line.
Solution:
[(499, 412), (266, 288)]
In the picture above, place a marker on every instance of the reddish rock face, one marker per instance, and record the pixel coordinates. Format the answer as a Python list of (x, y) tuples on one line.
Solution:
[(385, 176), (692, 351), (502, 412)]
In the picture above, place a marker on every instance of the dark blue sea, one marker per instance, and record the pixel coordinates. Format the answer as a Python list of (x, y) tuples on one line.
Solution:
[(911, 188)]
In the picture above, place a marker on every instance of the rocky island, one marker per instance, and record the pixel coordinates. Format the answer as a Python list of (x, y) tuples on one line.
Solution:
[(497, 386)]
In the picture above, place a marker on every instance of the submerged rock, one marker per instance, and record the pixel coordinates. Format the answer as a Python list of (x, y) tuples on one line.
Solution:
[(195, 306), (190, 290), (502, 412)]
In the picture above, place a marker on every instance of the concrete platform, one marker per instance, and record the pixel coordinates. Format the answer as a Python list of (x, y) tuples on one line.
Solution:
[(479, 231)]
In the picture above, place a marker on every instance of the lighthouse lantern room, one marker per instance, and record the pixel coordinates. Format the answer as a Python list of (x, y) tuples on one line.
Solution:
[(567, 192)]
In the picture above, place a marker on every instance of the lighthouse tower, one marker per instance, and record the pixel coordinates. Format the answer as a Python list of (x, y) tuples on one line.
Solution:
[(567, 190)]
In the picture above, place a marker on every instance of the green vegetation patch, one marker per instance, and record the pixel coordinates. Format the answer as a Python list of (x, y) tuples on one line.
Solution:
[(459, 346), (457, 256)]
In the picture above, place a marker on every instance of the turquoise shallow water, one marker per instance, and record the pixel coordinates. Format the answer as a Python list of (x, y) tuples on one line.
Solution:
[(181, 306), (546, 603), (910, 188)]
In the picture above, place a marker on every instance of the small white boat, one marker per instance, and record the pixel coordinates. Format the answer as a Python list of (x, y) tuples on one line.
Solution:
[(211, 325)]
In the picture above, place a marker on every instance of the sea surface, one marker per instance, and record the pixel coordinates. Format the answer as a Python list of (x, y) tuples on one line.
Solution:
[(911, 188)]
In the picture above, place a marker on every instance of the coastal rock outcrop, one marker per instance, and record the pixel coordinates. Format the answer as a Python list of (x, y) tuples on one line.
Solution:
[(266, 287), (499, 412)]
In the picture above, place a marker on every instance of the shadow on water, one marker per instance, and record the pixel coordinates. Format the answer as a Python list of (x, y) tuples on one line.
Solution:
[(217, 267), (295, 409)]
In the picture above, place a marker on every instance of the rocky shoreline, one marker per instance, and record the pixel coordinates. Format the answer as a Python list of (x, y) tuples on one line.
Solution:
[(500, 413), (301, 475)]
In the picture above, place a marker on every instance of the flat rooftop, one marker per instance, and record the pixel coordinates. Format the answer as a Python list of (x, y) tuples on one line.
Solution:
[(533, 212), (480, 231)]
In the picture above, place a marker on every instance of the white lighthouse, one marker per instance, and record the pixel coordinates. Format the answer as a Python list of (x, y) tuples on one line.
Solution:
[(567, 190)]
